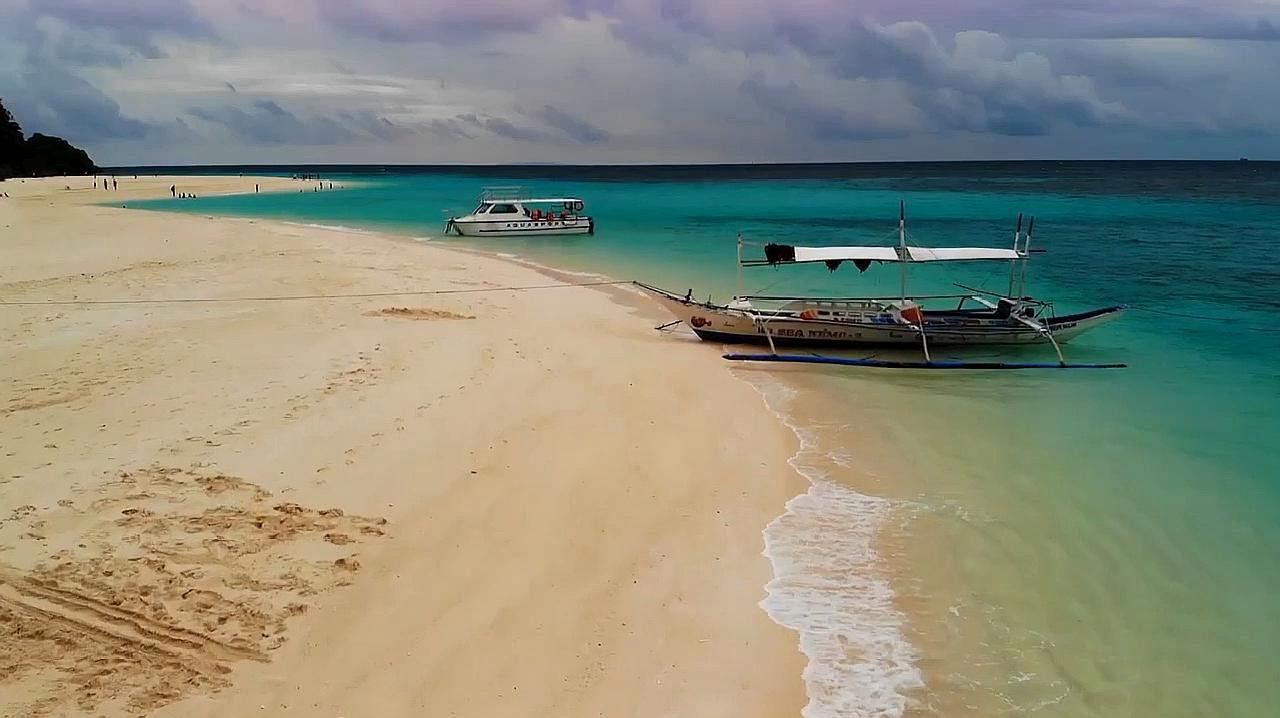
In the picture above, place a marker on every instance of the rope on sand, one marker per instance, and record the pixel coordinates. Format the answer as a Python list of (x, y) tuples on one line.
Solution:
[(296, 297)]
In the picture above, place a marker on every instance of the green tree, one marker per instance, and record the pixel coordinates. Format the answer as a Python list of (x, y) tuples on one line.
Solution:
[(41, 155), (46, 156), (11, 144)]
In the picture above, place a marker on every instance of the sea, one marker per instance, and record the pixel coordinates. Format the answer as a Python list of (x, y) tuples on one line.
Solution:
[(1005, 543)]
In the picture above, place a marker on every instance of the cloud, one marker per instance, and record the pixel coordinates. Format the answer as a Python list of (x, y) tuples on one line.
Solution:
[(645, 80), (752, 24), (439, 20), (51, 100), (892, 81), (810, 116), (265, 122), (131, 23), (575, 128), (1005, 92), (374, 125), (450, 129), (84, 52), (1147, 19), (503, 127)]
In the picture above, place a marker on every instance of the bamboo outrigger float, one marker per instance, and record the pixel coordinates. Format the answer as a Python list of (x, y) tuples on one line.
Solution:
[(991, 319)]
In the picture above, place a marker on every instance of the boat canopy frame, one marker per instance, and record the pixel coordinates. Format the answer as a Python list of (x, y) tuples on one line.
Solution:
[(513, 194)]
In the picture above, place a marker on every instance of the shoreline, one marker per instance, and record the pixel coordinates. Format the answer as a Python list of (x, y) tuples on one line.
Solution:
[(831, 582), (482, 569)]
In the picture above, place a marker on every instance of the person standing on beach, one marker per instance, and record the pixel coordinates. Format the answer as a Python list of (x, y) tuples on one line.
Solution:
[(255, 189), (173, 190), (115, 185)]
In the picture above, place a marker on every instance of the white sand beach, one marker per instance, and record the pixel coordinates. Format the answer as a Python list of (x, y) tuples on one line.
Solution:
[(484, 503)]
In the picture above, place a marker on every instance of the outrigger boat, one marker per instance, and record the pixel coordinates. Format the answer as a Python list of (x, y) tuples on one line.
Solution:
[(979, 318), (508, 212)]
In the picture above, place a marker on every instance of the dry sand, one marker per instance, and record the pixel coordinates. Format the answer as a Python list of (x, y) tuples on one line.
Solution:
[(478, 504)]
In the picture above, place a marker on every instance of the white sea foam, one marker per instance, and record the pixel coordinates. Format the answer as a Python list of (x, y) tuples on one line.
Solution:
[(331, 227), (546, 268), (827, 587)]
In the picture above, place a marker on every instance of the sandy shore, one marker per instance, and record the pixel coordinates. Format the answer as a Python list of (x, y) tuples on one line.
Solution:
[(494, 503)]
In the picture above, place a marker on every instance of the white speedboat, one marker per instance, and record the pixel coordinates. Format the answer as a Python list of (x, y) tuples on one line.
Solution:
[(507, 212)]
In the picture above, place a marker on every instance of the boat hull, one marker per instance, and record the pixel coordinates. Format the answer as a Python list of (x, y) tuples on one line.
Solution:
[(523, 227), (726, 325)]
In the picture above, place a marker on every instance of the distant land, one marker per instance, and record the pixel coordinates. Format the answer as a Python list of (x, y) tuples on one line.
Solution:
[(39, 155)]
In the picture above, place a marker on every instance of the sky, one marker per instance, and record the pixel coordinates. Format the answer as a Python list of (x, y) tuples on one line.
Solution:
[(644, 81)]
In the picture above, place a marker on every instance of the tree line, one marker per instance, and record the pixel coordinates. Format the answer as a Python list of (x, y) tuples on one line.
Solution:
[(38, 155)]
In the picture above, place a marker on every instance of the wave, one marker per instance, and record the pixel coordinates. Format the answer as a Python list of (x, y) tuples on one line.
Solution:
[(827, 586), (331, 227)]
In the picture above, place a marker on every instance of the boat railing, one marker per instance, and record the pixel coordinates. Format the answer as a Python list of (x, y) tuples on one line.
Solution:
[(503, 192)]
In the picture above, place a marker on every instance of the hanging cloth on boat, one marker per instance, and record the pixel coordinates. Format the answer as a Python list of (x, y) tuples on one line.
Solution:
[(775, 253), (833, 265), (862, 264)]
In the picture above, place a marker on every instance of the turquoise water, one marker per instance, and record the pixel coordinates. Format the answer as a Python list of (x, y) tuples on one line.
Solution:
[(1078, 543)]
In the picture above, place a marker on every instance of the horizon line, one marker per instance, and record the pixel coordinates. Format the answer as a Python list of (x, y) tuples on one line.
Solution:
[(682, 164)]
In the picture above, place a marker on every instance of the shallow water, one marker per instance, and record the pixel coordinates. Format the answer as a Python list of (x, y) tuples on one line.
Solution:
[(1082, 543)]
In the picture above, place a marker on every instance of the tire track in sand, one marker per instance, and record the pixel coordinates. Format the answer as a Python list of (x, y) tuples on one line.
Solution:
[(102, 621)]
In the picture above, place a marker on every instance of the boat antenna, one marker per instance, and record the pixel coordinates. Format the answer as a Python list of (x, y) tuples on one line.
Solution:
[(1013, 263), (902, 244), (1026, 256)]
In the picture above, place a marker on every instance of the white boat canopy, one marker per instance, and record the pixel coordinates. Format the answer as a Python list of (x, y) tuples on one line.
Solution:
[(960, 254), (828, 254), (783, 253)]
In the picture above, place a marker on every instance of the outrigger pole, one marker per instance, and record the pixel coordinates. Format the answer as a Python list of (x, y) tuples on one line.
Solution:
[(891, 364)]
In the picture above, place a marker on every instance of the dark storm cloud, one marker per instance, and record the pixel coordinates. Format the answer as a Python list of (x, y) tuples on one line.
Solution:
[(574, 127), (265, 122)]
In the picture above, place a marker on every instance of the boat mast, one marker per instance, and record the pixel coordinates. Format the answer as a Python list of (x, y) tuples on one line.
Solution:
[(1013, 263), (739, 295), (1026, 256), (902, 244)]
